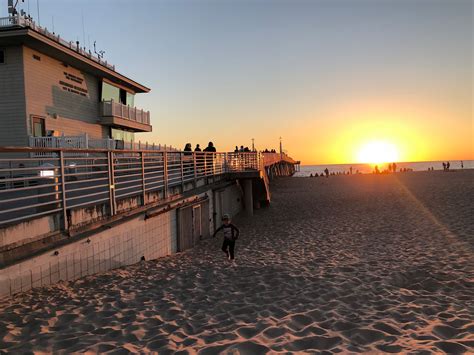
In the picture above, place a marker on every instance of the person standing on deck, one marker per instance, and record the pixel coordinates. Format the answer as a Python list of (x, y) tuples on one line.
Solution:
[(231, 234), (326, 171), (209, 157)]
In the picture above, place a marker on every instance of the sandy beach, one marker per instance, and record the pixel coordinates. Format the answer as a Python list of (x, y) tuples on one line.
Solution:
[(346, 264)]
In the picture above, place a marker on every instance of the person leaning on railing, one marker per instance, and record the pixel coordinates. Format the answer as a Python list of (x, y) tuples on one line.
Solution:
[(209, 157)]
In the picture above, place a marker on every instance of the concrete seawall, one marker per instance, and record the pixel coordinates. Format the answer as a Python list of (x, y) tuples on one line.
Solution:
[(148, 235)]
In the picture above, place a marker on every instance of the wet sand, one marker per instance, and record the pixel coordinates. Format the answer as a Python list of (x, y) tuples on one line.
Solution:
[(345, 264)]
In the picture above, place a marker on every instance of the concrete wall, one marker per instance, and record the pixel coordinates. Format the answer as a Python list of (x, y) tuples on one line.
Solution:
[(123, 244), (12, 99), (65, 97)]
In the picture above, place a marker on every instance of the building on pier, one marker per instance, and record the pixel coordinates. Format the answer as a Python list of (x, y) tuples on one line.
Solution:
[(50, 87)]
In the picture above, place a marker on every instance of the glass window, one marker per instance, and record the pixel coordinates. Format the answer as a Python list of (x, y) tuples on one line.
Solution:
[(2, 56), (130, 99), (38, 127), (122, 135), (110, 92)]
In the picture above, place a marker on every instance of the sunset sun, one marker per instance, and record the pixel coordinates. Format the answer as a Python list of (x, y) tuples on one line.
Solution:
[(377, 152)]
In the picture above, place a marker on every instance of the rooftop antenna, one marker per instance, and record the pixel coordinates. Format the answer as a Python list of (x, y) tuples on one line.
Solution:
[(12, 4), (38, 9), (83, 30), (100, 54)]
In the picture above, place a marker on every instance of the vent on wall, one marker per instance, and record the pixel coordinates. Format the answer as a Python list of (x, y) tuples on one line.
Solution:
[(37, 57)]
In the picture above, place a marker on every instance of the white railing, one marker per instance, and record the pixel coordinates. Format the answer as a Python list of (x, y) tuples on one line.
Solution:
[(22, 21), (112, 108), (84, 142)]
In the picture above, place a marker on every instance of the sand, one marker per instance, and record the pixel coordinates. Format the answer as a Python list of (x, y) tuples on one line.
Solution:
[(345, 264)]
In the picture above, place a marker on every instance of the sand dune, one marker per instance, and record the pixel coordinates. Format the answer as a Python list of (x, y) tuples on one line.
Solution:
[(346, 264)]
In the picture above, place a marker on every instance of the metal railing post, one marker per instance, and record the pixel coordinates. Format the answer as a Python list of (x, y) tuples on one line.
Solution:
[(143, 177), (110, 161), (165, 174), (182, 171), (194, 169), (63, 188)]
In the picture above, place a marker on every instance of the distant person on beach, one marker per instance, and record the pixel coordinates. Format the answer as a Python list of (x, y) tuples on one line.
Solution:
[(444, 166), (326, 171), (462, 165), (376, 171), (231, 234), (394, 167), (350, 169), (447, 166)]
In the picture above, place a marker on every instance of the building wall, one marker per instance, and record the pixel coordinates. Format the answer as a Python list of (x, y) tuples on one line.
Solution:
[(119, 246), (12, 99), (123, 244), (65, 97)]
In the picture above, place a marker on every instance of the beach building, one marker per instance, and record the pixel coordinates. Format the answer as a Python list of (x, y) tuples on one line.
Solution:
[(51, 88), (74, 199)]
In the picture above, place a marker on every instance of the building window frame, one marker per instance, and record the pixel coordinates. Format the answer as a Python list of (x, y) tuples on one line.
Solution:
[(42, 121)]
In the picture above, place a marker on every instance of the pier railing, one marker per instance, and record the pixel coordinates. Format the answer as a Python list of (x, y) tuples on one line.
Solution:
[(103, 181)]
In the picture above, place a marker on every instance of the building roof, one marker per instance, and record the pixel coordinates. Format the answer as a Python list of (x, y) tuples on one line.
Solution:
[(50, 44)]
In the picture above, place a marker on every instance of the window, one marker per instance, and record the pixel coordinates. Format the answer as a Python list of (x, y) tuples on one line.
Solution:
[(110, 92), (2, 56), (122, 135), (130, 99), (36, 57), (38, 127)]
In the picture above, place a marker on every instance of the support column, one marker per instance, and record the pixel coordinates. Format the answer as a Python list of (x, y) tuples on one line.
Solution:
[(248, 197)]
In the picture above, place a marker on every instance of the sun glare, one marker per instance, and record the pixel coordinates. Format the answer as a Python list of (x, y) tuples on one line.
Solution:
[(377, 152)]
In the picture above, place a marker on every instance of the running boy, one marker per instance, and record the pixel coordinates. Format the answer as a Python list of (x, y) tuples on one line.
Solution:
[(231, 233)]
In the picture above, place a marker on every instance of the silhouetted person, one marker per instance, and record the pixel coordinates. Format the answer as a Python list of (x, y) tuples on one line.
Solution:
[(236, 150), (187, 158), (326, 171), (198, 148), (447, 166), (187, 148), (394, 167), (462, 165), (376, 171), (311, 175), (350, 169), (209, 156)]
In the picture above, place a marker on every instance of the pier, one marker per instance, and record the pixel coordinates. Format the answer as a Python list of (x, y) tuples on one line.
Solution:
[(52, 198)]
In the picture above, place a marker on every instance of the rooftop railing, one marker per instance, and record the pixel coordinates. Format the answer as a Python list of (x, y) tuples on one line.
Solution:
[(23, 21), (116, 109), (104, 180)]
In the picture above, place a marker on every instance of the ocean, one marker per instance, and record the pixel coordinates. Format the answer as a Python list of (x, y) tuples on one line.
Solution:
[(306, 170)]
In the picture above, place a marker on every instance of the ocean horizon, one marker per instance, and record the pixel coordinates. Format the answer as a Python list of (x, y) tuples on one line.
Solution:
[(306, 170)]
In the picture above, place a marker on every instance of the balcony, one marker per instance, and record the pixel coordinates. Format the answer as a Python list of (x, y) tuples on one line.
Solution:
[(116, 114)]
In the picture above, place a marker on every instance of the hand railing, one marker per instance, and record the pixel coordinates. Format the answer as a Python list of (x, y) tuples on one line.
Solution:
[(112, 108), (62, 180)]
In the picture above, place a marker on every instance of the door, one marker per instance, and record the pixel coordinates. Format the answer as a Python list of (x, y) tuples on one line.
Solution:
[(205, 221), (38, 127), (185, 228), (197, 226)]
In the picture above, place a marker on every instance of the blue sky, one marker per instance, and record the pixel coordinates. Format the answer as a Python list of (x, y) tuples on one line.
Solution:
[(309, 71)]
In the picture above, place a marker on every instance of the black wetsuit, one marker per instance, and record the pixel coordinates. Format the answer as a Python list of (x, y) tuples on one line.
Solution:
[(231, 233)]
